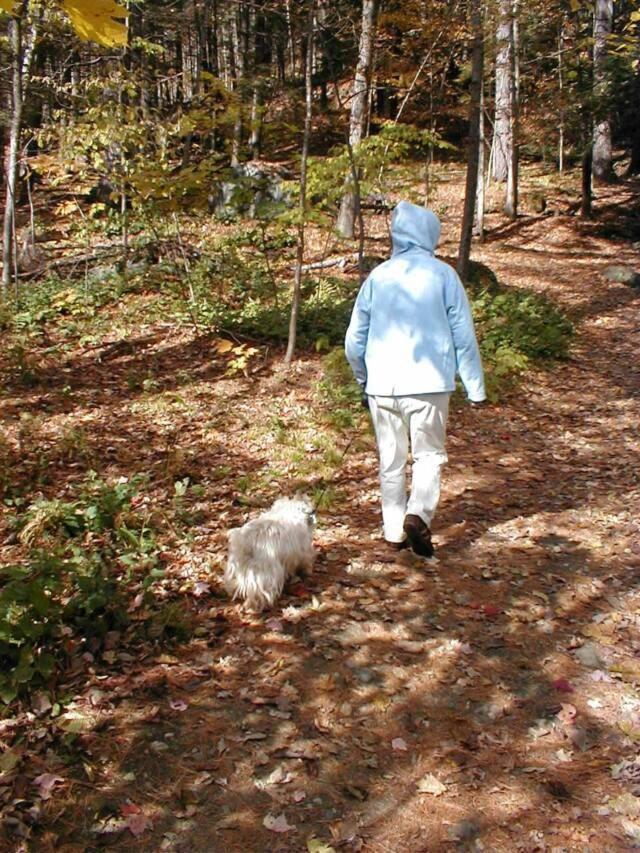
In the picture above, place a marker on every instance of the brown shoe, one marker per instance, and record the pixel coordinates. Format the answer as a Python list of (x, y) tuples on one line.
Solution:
[(397, 546), (419, 536)]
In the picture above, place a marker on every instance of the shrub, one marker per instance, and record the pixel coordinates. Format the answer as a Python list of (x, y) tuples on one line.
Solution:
[(516, 327), (522, 321), (81, 554), (338, 390)]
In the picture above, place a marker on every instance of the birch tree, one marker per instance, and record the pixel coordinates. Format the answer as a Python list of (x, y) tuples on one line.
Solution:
[(103, 21), (602, 147), (21, 54), (503, 141), (359, 112), (302, 198)]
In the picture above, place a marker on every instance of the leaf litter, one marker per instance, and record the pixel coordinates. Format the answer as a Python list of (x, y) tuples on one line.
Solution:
[(468, 660)]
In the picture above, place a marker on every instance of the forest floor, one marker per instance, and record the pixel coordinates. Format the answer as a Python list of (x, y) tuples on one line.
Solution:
[(488, 699)]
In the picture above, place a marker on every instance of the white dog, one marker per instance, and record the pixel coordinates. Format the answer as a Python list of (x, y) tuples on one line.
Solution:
[(268, 550)]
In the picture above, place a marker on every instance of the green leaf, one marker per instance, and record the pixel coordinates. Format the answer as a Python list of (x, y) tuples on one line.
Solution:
[(10, 758), (8, 692)]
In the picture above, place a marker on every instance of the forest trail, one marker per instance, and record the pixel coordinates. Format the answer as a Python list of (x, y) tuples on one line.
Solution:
[(484, 700)]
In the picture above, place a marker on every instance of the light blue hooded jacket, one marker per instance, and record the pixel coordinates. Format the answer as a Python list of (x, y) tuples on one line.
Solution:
[(411, 327)]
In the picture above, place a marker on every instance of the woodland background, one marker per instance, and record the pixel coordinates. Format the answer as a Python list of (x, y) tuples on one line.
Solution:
[(193, 193)]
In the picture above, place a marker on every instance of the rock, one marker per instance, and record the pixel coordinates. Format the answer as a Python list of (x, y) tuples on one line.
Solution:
[(252, 189), (364, 675), (104, 192), (464, 830), (31, 257), (589, 656), (378, 202), (534, 201), (370, 262), (622, 275)]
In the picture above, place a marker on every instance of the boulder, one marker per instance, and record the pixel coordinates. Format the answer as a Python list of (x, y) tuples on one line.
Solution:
[(534, 201), (622, 275), (251, 190)]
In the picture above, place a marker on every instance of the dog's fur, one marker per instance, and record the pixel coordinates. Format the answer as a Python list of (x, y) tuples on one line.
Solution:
[(268, 550)]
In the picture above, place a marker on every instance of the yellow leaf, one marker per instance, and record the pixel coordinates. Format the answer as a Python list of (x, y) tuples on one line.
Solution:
[(223, 346), (102, 21), (315, 845), (628, 730)]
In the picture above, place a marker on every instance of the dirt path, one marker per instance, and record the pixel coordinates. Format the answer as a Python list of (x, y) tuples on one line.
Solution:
[(486, 700)]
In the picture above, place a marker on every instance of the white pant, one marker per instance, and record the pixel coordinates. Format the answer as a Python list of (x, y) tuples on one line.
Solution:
[(421, 420)]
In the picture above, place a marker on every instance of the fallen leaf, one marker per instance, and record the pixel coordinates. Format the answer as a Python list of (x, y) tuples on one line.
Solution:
[(563, 685), (223, 346), (280, 776), (277, 824), (430, 785), (314, 845), (41, 704), (178, 705), (129, 809), (74, 723), (629, 730), (399, 744), (137, 824), (563, 755), (626, 804), (46, 783), (9, 759)]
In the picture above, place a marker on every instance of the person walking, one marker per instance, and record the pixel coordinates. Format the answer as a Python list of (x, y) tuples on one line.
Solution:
[(411, 330)]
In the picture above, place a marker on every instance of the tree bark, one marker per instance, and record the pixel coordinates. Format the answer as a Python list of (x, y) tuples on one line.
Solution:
[(634, 162), (478, 226), (602, 147), (359, 109), (20, 62), (302, 203), (503, 142), (511, 201), (587, 172), (561, 96), (477, 67)]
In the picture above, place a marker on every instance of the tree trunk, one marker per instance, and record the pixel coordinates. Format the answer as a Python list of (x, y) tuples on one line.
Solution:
[(561, 97), (477, 67), (13, 156), (478, 228), (302, 204), (511, 202), (634, 163), (359, 109), (255, 122), (504, 72), (587, 171), (602, 149)]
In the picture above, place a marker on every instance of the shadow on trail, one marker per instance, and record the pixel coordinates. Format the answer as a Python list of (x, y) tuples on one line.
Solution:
[(331, 713), (114, 373)]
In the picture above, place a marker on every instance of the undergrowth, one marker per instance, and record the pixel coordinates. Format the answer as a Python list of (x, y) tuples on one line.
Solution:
[(85, 560)]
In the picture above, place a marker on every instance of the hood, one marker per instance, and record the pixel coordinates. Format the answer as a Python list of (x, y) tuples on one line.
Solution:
[(414, 226)]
